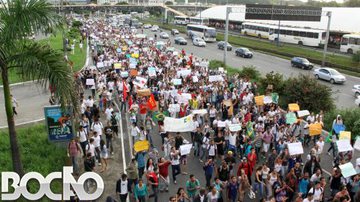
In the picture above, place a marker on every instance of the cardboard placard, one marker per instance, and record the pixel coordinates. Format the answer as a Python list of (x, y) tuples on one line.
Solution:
[(295, 148), (117, 65), (221, 124), (133, 72), (294, 107), (357, 144), (141, 146), (345, 135), (90, 82), (229, 103), (215, 78), (268, 100), (344, 145), (176, 82), (347, 170), (143, 92), (200, 111), (315, 129), (124, 74), (259, 100), (234, 127), (195, 79), (185, 149), (303, 113)]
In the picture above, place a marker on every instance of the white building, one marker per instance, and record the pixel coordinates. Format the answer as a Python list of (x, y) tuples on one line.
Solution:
[(112, 2)]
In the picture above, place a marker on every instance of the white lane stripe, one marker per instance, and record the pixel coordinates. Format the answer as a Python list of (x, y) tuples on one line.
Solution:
[(122, 139), (24, 123)]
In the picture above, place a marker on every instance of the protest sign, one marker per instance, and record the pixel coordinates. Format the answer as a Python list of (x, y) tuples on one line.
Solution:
[(117, 65), (221, 69), (195, 79), (183, 73), (344, 145), (221, 124), (143, 92), (185, 124), (338, 128), (152, 71), (124, 74), (215, 78), (176, 82), (291, 118), (345, 135), (174, 108), (199, 111), (140, 81), (275, 97), (133, 72), (90, 82), (267, 100), (100, 65), (229, 104), (303, 113), (183, 98), (259, 100), (295, 148), (185, 149), (357, 144), (347, 170), (294, 107), (234, 127), (315, 129), (141, 146)]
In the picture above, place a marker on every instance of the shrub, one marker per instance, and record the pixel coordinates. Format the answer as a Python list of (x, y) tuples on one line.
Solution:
[(77, 24), (350, 118), (169, 3), (356, 57), (275, 79), (215, 64), (309, 93), (250, 72)]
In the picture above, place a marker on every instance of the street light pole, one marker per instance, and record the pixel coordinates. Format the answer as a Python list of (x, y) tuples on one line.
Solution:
[(228, 10), (328, 14)]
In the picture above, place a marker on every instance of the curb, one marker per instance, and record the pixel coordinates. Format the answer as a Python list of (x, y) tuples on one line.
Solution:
[(24, 123)]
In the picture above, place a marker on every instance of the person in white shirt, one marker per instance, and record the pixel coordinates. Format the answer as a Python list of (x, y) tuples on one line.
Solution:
[(97, 126), (311, 118), (83, 138), (122, 188), (317, 192), (90, 148), (316, 176), (97, 140), (89, 102), (175, 163), (309, 198), (108, 112), (320, 143)]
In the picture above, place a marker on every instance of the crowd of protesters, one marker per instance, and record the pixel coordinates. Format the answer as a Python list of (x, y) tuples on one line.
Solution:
[(252, 163)]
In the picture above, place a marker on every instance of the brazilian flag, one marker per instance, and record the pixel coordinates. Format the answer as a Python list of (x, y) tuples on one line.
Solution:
[(160, 116), (250, 130)]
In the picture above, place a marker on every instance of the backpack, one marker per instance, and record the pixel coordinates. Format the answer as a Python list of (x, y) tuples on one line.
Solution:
[(113, 120)]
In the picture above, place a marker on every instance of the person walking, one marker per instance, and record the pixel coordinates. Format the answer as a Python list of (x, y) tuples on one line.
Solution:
[(153, 180), (132, 174), (209, 168), (122, 187), (104, 155), (141, 191), (83, 138), (14, 103), (73, 152), (192, 185), (164, 174), (175, 163)]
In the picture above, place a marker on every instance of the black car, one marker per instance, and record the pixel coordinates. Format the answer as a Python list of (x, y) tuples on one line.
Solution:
[(301, 63), (221, 45), (180, 40), (244, 52)]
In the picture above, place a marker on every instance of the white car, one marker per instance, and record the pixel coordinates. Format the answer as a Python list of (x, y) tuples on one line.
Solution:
[(329, 74), (164, 35), (147, 26), (199, 42), (357, 101), (155, 28), (356, 90)]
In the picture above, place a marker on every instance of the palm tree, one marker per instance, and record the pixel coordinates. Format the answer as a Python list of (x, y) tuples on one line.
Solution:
[(33, 60)]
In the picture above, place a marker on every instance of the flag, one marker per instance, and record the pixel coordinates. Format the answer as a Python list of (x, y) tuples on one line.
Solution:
[(125, 89), (250, 129), (130, 101), (151, 102)]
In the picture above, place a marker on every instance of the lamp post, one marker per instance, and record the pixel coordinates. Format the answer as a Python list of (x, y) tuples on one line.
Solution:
[(328, 14), (228, 10)]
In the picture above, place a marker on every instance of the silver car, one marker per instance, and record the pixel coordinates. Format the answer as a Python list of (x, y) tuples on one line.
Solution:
[(329, 74), (164, 35), (199, 42)]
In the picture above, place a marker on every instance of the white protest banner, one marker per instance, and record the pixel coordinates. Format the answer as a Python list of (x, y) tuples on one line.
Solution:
[(347, 169), (234, 127), (221, 124), (199, 111), (90, 82), (185, 149), (185, 124), (195, 79), (124, 74), (295, 148), (344, 145), (174, 108), (216, 78), (100, 65), (152, 71), (221, 69), (184, 98), (176, 82), (140, 81), (267, 100), (357, 144), (132, 66), (184, 72), (303, 113)]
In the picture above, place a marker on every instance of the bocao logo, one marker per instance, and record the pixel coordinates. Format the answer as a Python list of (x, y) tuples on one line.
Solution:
[(20, 185)]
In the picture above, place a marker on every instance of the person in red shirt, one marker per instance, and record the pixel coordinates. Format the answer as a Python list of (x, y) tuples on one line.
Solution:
[(164, 174), (153, 180), (252, 159), (143, 111), (183, 109), (245, 165)]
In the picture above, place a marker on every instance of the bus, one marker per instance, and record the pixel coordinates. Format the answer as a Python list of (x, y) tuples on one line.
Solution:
[(202, 31), (293, 35), (199, 21), (181, 20), (350, 43)]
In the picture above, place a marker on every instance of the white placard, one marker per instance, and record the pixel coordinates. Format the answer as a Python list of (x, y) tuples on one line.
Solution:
[(140, 81), (176, 82), (90, 82), (200, 111), (221, 124), (174, 108), (221, 69), (184, 73), (195, 79), (132, 66), (185, 149), (295, 148), (357, 144), (234, 127), (152, 71), (303, 113), (124, 74), (216, 78), (185, 124), (347, 169), (267, 99), (184, 98), (344, 145), (100, 65)]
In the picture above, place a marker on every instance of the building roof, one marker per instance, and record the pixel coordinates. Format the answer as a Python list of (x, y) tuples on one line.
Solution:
[(343, 18)]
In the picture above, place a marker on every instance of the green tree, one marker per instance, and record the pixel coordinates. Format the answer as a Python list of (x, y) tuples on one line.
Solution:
[(31, 59), (275, 79), (352, 3), (350, 118), (169, 3), (309, 93)]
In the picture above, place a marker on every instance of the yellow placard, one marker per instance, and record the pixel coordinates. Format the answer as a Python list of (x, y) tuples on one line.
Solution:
[(229, 103), (124, 48), (136, 55), (315, 129), (117, 65), (345, 135), (259, 100), (294, 107), (141, 146)]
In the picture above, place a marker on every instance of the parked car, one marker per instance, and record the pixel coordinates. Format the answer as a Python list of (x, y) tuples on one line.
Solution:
[(221, 45), (164, 35), (199, 42), (147, 26), (244, 52), (302, 63), (356, 90), (174, 32), (154, 28), (329, 74), (180, 40)]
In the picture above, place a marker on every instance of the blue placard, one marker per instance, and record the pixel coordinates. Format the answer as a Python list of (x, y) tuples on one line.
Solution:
[(58, 123), (338, 128)]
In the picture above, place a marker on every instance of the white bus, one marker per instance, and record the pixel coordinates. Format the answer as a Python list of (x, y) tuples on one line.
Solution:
[(202, 31), (199, 21), (350, 43), (293, 35), (181, 20)]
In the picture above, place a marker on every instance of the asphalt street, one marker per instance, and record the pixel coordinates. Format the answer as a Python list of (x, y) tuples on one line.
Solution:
[(344, 97)]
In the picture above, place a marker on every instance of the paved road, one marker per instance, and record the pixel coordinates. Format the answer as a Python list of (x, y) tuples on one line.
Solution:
[(344, 98)]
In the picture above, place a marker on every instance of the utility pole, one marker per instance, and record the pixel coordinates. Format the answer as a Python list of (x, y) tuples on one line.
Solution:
[(328, 14), (228, 11)]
